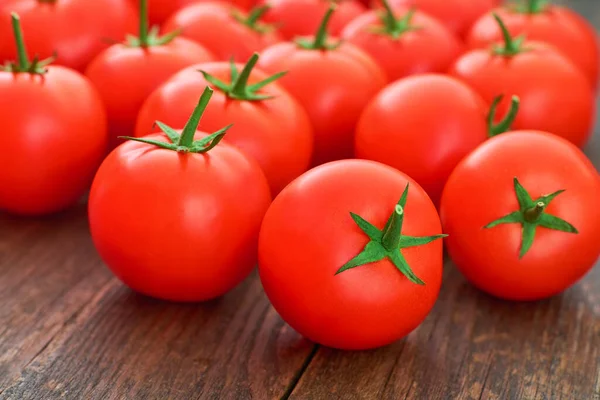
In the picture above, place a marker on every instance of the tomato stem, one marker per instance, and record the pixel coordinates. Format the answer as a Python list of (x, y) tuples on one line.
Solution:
[(393, 26), (392, 232), (320, 40), (255, 14), (533, 214), (143, 38), (22, 58), (187, 135), (507, 121), (512, 46), (532, 6), (238, 88)]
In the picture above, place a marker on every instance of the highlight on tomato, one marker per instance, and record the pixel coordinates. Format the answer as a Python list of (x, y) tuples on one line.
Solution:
[(350, 256), (333, 80), (176, 215), (522, 215), (269, 125), (126, 73), (54, 134)]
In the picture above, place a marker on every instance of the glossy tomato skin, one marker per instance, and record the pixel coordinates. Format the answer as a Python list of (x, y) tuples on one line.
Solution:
[(431, 48), (194, 233), (125, 77), (275, 132), (566, 30), (480, 190), (555, 95), (423, 126), (75, 30), (202, 21), (352, 79), (364, 307), (54, 139), (161, 10)]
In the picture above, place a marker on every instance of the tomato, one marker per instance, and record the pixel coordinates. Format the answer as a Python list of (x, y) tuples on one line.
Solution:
[(54, 135), (336, 271), (302, 17), (239, 36), (76, 31), (198, 209), (334, 81), (410, 44), (522, 215), (268, 125), (125, 74), (567, 31), (161, 10), (555, 96)]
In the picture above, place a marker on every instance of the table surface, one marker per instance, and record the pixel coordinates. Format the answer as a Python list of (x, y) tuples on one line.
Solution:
[(69, 329)]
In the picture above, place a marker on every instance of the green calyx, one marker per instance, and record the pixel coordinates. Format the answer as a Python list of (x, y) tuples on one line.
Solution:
[(23, 64), (392, 26), (149, 37), (239, 88), (185, 142), (530, 215), (252, 19), (512, 46), (507, 121), (531, 6), (389, 242), (319, 42)]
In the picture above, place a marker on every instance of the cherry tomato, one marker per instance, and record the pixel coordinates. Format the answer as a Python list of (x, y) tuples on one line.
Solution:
[(54, 135), (239, 34), (522, 215), (336, 271), (555, 96), (161, 10), (268, 124), (197, 212), (411, 43), (125, 74), (76, 31), (334, 81), (567, 31)]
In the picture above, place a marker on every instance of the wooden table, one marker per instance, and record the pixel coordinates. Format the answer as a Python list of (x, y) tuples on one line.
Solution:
[(68, 329)]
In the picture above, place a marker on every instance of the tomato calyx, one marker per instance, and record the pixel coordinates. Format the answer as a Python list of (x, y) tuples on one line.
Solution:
[(393, 26), (23, 65), (389, 242), (531, 215), (185, 142), (149, 37), (507, 121), (319, 42), (252, 19), (512, 46), (531, 6), (238, 88)]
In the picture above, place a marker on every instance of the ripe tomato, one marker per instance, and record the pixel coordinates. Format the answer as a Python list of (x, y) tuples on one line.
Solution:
[(270, 125), (410, 44), (333, 81), (522, 215), (161, 10), (344, 280), (570, 33), (54, 135), (302, 17), (239, 36), (125, 74), (555, 96), (194, 233), (76, 31)]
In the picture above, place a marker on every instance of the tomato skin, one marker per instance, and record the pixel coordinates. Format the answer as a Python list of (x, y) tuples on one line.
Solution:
[(55, 137), (352, 79), (201, 21), (136, 72), (76, 30), (555, 95), (566, 30), (193, 236), (543, 163), (275, 132), (308, 234), (423, 126), (161, 10)]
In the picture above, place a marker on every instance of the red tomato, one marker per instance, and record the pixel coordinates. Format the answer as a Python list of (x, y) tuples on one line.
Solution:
[(160, 10), (570, 33), (239, 36), (345, 280), (302, 17), (73, 29), (54, 136), (333, 81), (198, 209), (411, 43), (270, 126), (513, 232), (555, 96)]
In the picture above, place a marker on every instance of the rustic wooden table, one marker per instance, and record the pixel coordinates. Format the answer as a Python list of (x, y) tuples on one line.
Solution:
[(68, 329)]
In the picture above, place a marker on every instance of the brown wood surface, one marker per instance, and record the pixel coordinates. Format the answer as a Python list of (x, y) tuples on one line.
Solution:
[(69, 330)]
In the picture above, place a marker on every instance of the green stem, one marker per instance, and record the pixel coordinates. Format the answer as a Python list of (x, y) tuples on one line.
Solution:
[(143, 38), (255, 14), (536, 6), (320, 41), (389, 19), (507, 121), (23, 59), (533, 214), (391, 235), (187, 135), (509, 45), (241, 82)]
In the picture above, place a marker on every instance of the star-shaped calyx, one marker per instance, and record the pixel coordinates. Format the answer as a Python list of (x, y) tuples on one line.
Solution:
[(394, 26), (23, 65), (389, 242), (511, 46), (319, 41), (149, 37), (530, 215)]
